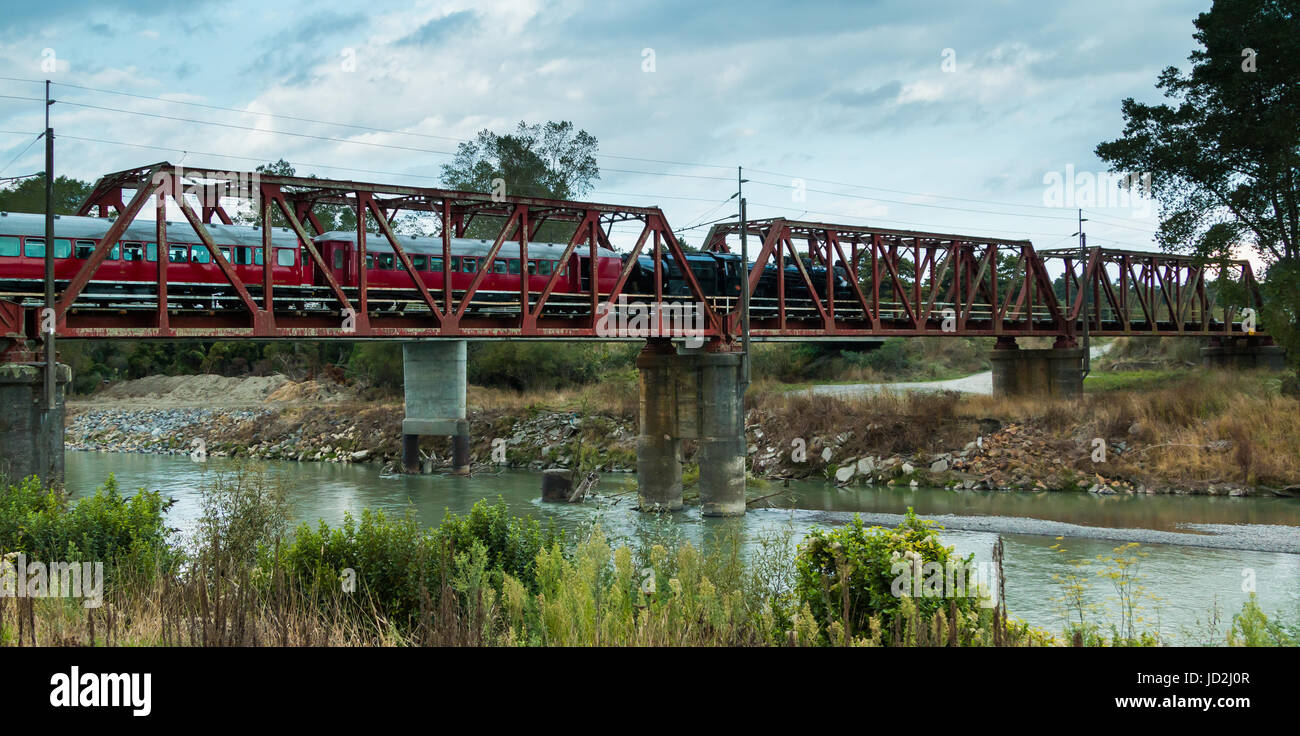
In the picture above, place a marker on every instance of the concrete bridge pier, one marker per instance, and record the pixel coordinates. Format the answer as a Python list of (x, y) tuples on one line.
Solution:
[(693, 395), (433, 376), (1055, 371), (31, 433), (1244, 352)]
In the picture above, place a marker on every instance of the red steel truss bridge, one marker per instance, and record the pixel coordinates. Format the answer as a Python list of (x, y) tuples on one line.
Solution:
[(808, 281)]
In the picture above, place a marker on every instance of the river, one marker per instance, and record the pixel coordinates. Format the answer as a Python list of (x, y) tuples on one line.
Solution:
[(1183, 580)]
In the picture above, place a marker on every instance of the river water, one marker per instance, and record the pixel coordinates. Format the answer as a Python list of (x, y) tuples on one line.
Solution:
[(1183, 582)]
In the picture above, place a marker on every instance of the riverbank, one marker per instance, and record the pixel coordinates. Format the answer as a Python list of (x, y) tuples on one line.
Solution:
[(1196, 432)]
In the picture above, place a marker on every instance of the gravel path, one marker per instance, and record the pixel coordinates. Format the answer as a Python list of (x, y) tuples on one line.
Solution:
[(978, 383)]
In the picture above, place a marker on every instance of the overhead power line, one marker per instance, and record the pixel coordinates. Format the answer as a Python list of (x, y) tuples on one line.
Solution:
[(398, 147)]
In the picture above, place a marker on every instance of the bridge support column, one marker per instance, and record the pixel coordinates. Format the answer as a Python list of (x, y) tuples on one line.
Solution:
[(1244, 353), (696, 396), (1056, 371), (433, 376), (31, 433)]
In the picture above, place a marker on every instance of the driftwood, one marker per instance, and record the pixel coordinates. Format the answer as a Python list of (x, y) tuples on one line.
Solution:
[(586, 486), (760, 498)]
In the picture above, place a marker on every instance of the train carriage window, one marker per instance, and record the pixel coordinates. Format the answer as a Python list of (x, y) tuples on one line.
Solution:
[(178, 254), (134, 252), (370, 261), (542, 268), (9, 246), (435, 265), (338, 257), (469, 265), (200, 254), (285, 257), (455, 264), (244, 255), (499, 265), (151, 252), (419, 262), (514, 266), (36, 248), (85, 249), (257, 256)]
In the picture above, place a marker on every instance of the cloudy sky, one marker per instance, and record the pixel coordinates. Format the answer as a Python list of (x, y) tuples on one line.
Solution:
[(944, 116)]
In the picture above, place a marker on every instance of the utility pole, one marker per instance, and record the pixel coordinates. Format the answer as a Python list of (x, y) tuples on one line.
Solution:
[(50, 363), (1083, 289), (744, 285)]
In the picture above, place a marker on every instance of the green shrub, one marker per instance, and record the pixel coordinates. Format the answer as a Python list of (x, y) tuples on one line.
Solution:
[(1253, 628), (399, 564), (846, 576), (511, 542), (107, 527)]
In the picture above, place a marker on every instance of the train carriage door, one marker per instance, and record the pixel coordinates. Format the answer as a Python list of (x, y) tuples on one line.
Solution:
[(336, 256)]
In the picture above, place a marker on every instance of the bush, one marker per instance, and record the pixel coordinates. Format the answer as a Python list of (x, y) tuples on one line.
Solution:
[(399, 565), (107, 527), (846, 576)]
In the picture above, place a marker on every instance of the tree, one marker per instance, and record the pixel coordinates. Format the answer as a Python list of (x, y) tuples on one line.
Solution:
[(1224, 153), (28, 195), (551, 161)]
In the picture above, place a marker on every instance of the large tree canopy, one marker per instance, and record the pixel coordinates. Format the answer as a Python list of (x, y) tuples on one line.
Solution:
[(554, 161), (28, 195), (1224, 152), (551, 160)]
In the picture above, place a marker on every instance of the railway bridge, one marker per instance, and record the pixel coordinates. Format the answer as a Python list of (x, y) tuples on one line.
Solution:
[(808, 281)]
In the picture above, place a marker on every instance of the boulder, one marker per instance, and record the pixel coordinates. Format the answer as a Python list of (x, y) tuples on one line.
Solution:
[(557, 485)]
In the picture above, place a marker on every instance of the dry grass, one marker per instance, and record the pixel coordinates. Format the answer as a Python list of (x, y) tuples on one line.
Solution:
[(1196, 429), (617, 397), (1208, 427)]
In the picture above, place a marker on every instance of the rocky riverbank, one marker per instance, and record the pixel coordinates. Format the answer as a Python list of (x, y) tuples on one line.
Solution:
[(972, 454)]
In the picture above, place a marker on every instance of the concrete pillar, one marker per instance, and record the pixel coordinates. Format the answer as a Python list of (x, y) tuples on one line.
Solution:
[(658, 446), (31, 434), (433, 375), (692, 395), (721, 452), (1244, 353), (1056, 371)]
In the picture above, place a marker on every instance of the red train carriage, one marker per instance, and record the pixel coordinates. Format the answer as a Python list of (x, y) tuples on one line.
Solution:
[(129, 274), (386, 277), (131, 267)]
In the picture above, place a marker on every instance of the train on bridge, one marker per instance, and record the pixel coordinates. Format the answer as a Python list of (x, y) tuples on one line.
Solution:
[(128, 276)]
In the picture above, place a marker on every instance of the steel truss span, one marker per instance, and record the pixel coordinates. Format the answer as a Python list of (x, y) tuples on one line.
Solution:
[(810, 281)]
